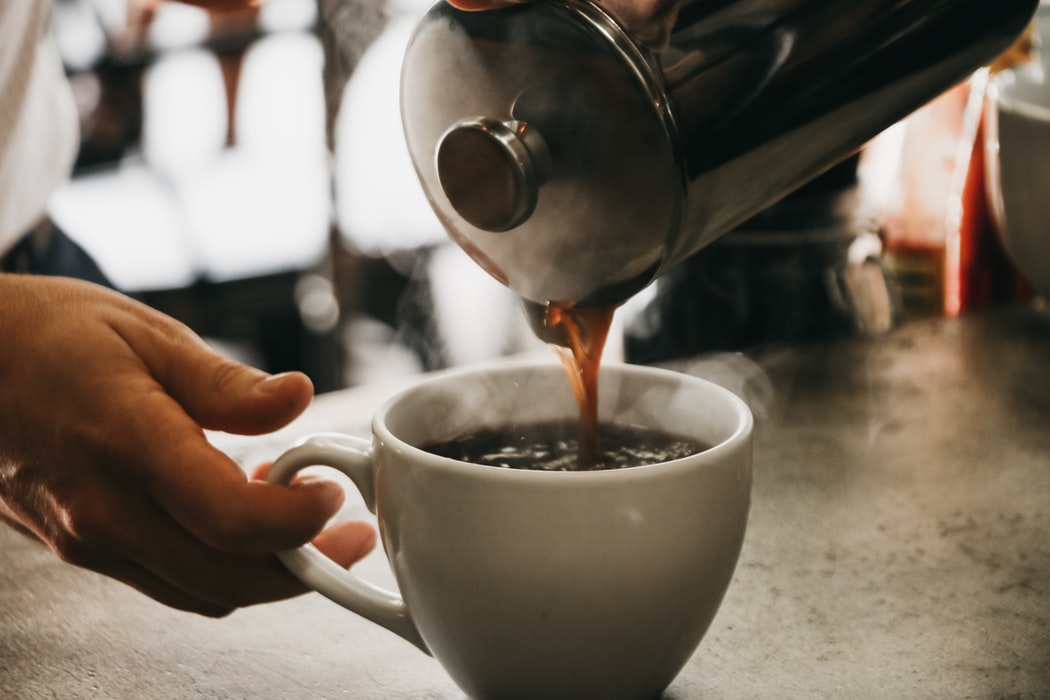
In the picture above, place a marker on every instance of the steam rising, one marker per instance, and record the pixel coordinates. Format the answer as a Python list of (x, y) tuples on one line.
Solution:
[(740, 375)]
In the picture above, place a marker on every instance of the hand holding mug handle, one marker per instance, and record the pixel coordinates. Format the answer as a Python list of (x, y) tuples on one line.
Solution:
[(352, 456)]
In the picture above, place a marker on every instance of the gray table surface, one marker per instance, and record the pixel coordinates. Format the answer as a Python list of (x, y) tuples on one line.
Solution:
[(898, 547)]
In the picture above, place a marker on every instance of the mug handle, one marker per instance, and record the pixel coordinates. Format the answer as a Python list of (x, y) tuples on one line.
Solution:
[(352, 456)]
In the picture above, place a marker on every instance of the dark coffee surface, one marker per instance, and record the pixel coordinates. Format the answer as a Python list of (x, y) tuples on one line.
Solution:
[(555, 447)]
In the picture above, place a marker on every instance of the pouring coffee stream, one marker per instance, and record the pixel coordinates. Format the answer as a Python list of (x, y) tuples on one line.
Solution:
[(578, 335), (576, 166)]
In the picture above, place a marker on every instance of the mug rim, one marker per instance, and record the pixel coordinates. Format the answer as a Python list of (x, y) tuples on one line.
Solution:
[(741, 433)]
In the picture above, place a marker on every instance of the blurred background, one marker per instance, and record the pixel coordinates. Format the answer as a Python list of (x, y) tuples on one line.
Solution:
[(246, 173)]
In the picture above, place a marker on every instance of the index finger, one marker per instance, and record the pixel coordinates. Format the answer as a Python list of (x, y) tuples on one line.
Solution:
[(210, 496)]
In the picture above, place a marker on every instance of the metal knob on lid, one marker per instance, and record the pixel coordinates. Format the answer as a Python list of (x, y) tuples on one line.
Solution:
[(491, 171)]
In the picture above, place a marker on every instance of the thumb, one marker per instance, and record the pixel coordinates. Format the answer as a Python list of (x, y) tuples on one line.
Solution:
[(231, 396), (248, 401), (216, 391)]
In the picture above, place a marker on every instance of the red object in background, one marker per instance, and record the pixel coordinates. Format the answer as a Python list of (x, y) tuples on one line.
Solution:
[(978, 273)]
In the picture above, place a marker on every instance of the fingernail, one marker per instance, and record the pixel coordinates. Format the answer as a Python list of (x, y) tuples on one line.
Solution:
[(330, 492), (272, 383), (367, 545), (334, 495)]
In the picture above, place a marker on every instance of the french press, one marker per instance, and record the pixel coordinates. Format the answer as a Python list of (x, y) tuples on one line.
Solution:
[(576, 166)]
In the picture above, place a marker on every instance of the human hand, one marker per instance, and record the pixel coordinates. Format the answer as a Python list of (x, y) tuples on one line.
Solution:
[(649, 22), (103, 402)]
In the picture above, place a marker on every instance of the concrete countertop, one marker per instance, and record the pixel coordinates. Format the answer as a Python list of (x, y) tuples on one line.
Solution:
[(898, 547)]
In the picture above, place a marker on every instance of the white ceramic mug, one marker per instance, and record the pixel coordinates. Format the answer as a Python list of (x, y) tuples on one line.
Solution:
[(534, 584)]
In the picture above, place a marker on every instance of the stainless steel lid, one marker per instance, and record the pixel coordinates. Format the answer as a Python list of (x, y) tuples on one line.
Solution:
[(545, 145)]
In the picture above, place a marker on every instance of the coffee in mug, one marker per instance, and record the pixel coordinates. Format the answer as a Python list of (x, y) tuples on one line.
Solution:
[(554, 446)]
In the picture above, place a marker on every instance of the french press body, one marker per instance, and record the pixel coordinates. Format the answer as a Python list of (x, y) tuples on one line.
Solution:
[(576, 166)]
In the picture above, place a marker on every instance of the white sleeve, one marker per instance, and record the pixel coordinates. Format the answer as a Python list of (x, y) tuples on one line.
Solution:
[(38, 118)]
